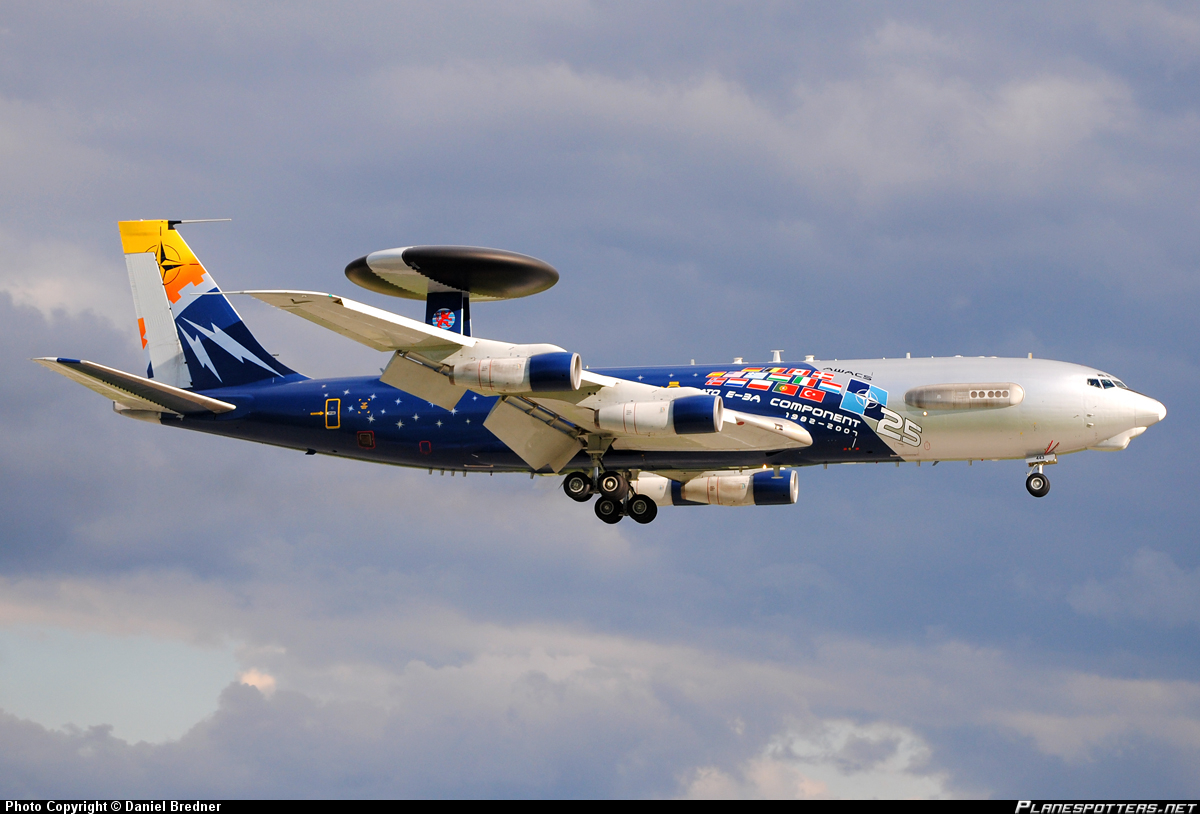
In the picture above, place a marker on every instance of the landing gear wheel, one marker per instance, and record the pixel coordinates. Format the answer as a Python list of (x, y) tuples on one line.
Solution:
[(641, 508), (1038, 484), (609, 510), (578, 486), (613, 485)]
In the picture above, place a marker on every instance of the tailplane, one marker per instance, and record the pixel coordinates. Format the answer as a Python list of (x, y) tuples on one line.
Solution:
[(192, 336)]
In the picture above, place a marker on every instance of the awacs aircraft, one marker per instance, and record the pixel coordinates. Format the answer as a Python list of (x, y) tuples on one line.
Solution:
[(639, 438)]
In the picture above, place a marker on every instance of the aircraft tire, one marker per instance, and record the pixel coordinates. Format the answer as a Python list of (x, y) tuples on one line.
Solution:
[(1038, 484), (609, 510), (578, 486), (642, 509), (614, 485)]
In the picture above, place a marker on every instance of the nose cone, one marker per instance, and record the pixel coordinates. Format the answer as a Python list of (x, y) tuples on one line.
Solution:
[(1148, 411)]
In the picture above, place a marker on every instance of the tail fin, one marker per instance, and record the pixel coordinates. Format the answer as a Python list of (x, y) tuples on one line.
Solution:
[(192, 336)]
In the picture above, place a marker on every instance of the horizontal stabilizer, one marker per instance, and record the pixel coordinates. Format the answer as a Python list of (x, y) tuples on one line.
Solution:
[(134, 392), (363, 323)]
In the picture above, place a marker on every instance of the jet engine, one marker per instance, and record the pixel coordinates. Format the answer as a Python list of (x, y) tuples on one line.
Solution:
[(540, 373), (690, 415), (763, 488)]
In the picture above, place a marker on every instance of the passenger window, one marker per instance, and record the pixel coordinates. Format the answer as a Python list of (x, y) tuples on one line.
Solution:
[(1094, 382), (1107, 384)]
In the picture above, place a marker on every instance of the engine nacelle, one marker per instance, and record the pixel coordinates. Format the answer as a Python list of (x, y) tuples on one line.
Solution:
[(540, 373), (690, 415), (724, 489)]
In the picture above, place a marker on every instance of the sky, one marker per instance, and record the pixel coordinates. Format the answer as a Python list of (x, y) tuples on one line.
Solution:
[(190, 616)]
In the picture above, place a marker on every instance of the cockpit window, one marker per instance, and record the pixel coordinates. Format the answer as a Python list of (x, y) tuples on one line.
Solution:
[(1120, 384), (1107, 384), (1094, 382)]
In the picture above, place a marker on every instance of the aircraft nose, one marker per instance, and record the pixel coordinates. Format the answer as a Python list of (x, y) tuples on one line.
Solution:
[(1149, 411)]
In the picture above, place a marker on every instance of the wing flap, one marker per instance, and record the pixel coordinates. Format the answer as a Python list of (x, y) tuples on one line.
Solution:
[(423, 381), (541, 439), (134, 392)]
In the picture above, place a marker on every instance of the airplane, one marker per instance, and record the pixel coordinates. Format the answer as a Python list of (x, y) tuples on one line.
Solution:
[(633, 438)]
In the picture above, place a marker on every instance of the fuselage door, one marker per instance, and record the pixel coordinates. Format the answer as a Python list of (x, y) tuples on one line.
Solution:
[(333, 414)]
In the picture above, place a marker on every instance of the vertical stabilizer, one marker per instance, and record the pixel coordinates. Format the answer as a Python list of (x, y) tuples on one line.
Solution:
[(192, 335), (164, 354)]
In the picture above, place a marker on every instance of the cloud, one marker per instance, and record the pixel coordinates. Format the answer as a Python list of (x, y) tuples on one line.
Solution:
[(882, 136), (148, 688), (55, 274), (839, 760), (367, 680), (1150, 588), (263, 682), (710, 181)]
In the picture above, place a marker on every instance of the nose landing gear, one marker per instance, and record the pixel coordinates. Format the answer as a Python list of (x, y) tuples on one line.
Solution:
[(1037, 483)]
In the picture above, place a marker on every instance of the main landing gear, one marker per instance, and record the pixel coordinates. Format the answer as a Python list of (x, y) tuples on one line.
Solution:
[(615, 500)]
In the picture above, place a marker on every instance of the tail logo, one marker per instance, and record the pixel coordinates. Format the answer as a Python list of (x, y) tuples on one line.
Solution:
[(176, 271), (226, 343)]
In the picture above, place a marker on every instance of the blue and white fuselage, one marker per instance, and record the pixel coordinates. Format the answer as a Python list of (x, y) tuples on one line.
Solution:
[(366, 419)]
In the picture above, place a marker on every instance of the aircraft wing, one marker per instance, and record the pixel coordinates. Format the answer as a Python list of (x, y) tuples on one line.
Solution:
[(134, 392), (739, 430), (373, 327), (545, 429)]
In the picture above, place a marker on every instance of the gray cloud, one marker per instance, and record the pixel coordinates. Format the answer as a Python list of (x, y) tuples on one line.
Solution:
[(1150, 587)]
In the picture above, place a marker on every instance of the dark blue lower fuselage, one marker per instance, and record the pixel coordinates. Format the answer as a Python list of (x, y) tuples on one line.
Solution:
[(365, 419)]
